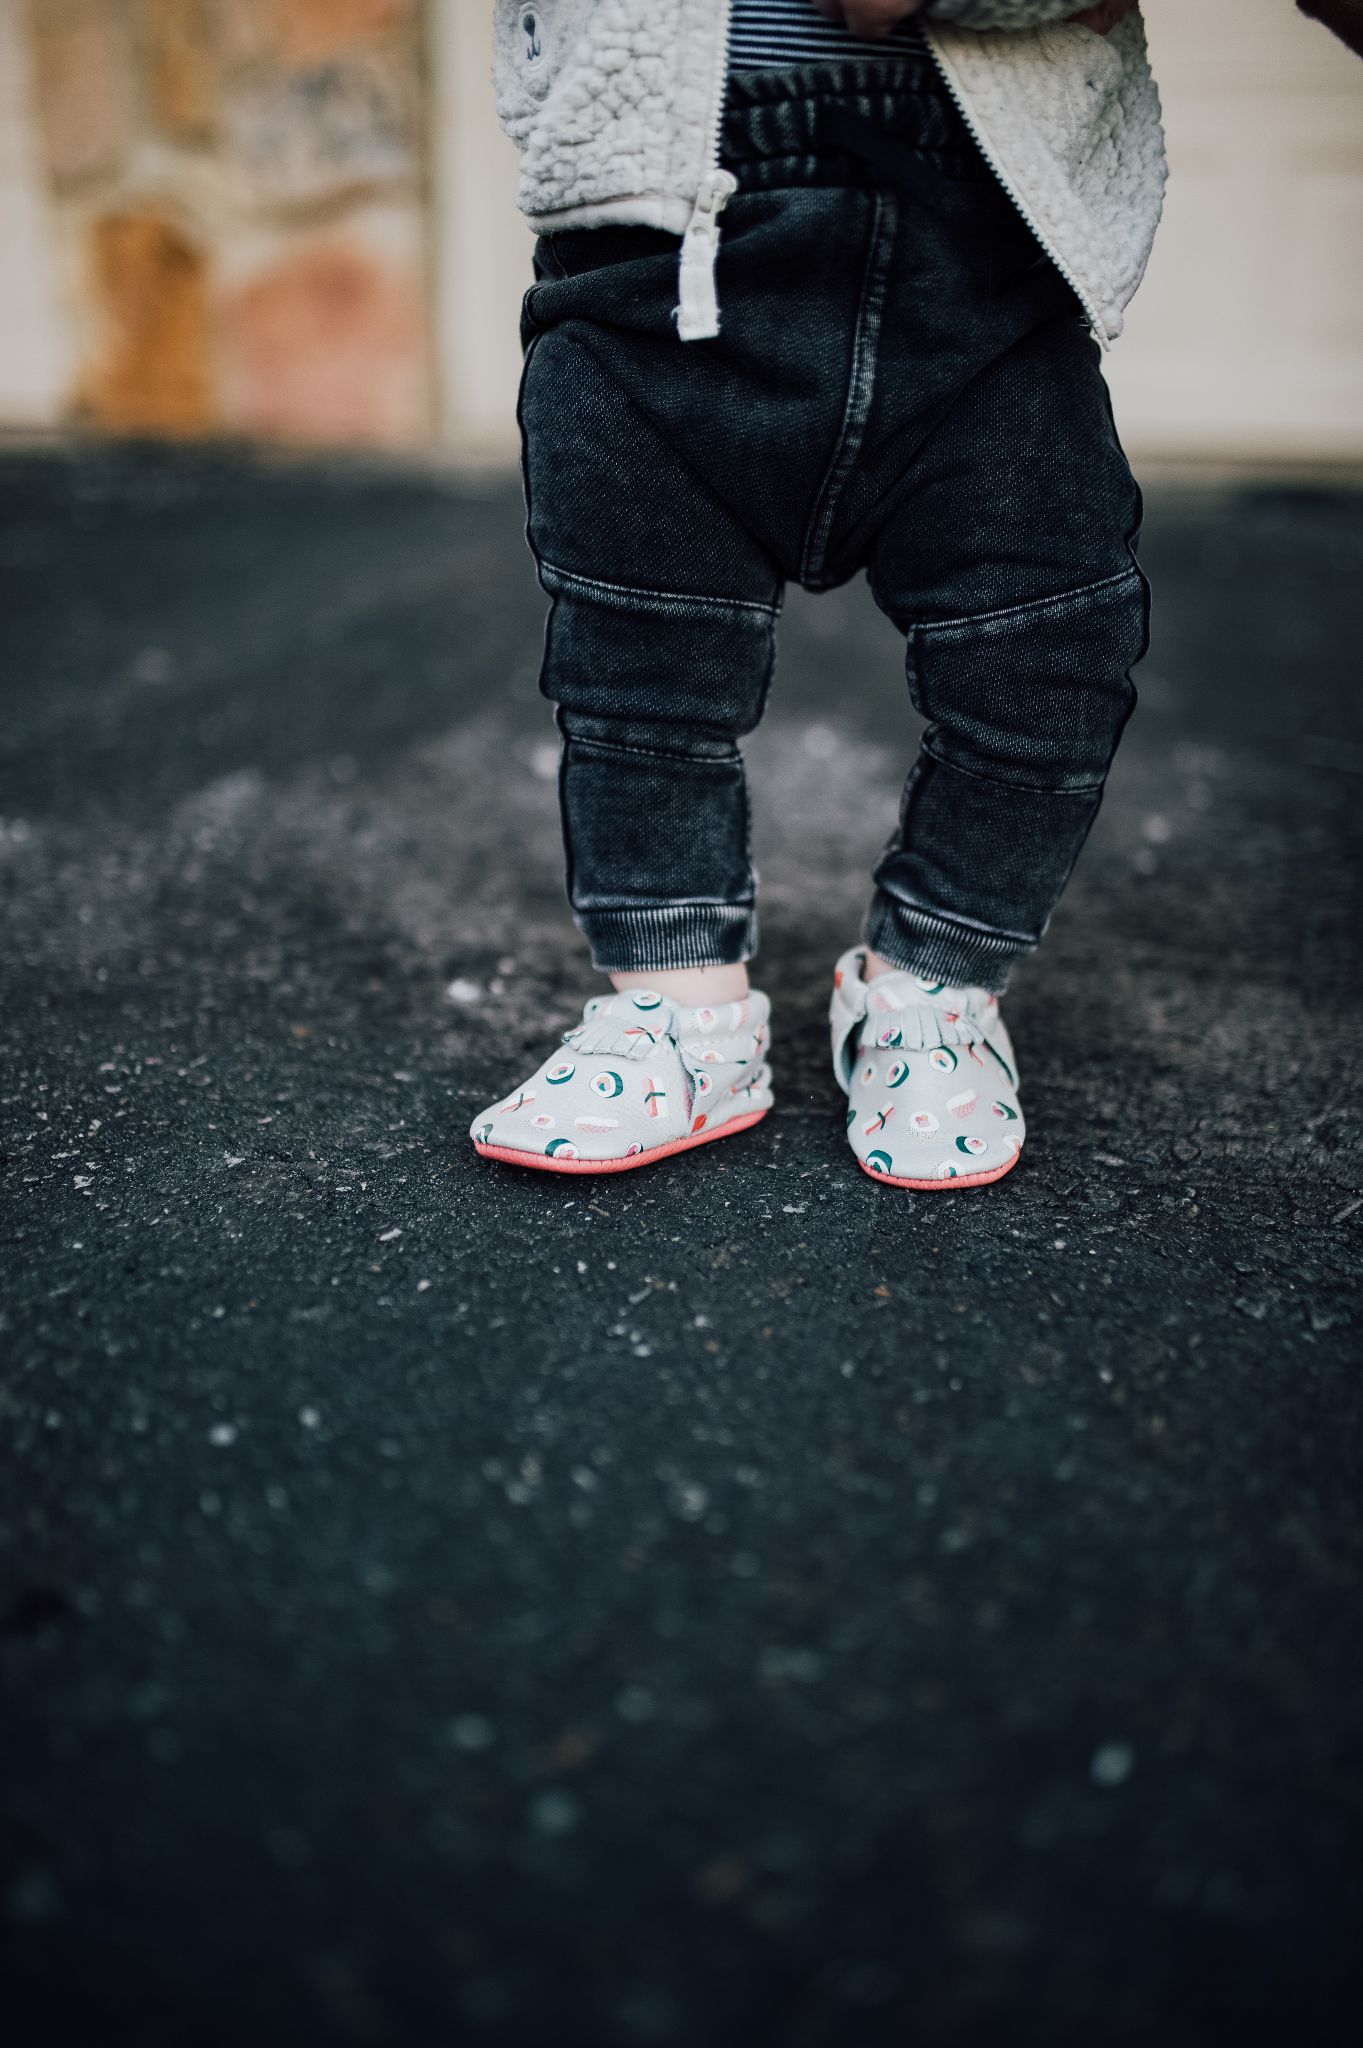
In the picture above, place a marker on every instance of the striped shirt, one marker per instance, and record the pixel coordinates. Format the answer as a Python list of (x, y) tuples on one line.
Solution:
[(767, 33)]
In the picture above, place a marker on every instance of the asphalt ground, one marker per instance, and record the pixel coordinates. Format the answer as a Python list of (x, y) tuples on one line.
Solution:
[(734, 1603)]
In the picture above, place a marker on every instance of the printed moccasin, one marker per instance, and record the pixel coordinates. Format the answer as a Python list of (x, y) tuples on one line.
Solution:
[(637, 1080), (930, 1079)]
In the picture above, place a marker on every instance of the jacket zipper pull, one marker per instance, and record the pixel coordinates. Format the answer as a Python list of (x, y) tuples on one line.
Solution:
[(698, 310)]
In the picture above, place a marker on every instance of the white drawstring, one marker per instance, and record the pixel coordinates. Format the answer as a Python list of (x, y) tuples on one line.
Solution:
[(698, 307)]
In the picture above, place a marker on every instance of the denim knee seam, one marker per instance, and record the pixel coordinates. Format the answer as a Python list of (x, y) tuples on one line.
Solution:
[(1057, 598), (607, 750), (1008, 781), (669, 604)]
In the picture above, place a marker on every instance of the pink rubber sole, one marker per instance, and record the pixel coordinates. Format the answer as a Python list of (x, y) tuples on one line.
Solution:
[(941, 1187), (542, 1164)]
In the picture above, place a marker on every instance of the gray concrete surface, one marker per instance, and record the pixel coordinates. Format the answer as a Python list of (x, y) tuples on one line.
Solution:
[(736, 1604)]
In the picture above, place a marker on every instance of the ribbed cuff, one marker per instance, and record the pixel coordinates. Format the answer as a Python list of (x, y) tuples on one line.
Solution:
[(656, 936), (938, 949)]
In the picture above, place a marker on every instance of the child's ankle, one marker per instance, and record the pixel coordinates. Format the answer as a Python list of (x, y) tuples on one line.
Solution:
[(690, 986)]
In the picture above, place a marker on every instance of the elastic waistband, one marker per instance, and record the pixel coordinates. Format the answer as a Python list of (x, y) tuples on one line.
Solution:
[(845, 122)]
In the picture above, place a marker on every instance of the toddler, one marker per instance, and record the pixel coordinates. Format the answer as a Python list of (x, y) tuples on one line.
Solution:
[(932, 213)]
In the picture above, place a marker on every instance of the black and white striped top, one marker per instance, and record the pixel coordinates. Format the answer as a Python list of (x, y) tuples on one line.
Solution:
[(764, 33)]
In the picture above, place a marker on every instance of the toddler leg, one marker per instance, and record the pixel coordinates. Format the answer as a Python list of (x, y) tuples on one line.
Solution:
[(658, 654), (1009, 565), (1008, 562)]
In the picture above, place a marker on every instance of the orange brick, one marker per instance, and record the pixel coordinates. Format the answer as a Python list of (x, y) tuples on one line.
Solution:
[(328, 346), (81, 63), (181, 66), (312, 29), (152, 373)]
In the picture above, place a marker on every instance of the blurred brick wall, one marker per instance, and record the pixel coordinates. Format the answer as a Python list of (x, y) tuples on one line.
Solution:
[(240, 212)]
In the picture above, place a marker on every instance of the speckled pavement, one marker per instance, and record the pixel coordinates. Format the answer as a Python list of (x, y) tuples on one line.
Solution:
[(738, 1603)]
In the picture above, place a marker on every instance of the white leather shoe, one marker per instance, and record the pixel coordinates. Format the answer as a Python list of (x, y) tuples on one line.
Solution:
[(930, 1079), (638, 1079)]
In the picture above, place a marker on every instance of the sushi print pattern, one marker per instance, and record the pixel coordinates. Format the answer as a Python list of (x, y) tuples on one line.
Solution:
[(930, 1077), (638, 1075)]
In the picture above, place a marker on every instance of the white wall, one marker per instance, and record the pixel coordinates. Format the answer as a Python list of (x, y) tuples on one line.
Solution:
[(35, 346), (483, 245), (1246, 340)]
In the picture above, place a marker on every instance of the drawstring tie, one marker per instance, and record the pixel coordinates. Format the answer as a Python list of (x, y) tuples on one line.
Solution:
[(697, 313)]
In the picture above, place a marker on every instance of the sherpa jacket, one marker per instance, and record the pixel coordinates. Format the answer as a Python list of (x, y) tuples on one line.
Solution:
[(616, 107)]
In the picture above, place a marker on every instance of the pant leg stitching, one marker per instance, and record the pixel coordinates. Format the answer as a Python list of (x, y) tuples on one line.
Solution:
[(595, 907), (628, 596), (589, 745), (1132, 575), (1006, 782), (860, 383), (955, 920)]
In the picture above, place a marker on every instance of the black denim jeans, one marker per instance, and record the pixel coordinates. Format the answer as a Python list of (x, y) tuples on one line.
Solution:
[(903, 384)]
